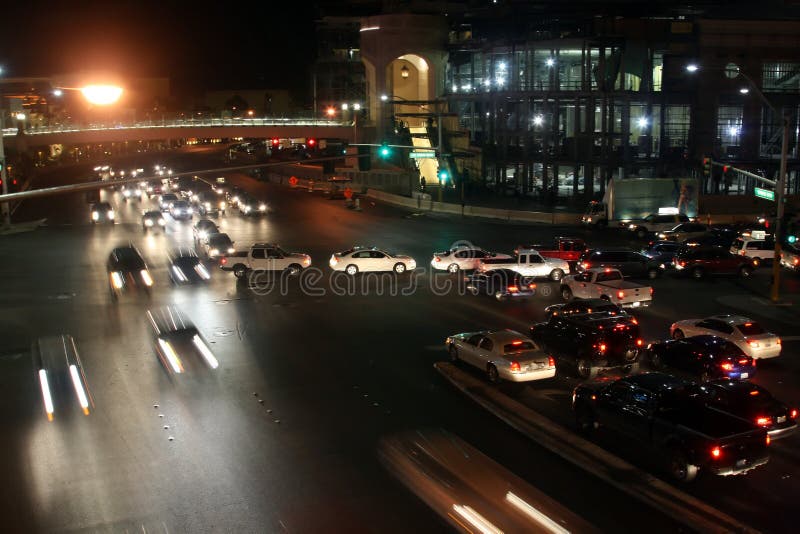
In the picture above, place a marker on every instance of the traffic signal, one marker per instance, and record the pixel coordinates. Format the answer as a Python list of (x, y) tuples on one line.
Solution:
[(311, 143), (443, 175), (791, 239), (275, 142), (2, 165), (384, 151), (706, 166)]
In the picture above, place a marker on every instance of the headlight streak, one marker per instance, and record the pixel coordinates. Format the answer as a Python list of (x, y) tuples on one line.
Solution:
[(536, 515), (48, 400), (148, 222), (146, 278), (205, 351), (116, 280), (76, 383), (95, 216), (201, 270), (111, 215), (172, 357), (476, 520), (179, 273)]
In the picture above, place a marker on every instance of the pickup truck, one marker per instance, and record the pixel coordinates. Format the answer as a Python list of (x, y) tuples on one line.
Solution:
[(528, 263), (564, 248), (790, 258), (606, 283), (659, 410), (264, 257)]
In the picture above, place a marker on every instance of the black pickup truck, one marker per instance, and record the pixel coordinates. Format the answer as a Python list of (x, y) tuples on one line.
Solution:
[(660, 411)]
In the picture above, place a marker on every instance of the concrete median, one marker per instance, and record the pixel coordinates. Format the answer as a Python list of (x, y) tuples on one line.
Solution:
[(649, 490)]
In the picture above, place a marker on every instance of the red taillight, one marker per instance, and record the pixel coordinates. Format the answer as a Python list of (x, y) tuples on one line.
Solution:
[(551, 362), (682, 263), (639, 342), (515, 368), (437, 258), (778, 341), (743, 361), (793, 413), (763, 421), (602, 347), (652, 291), (513, 289), (768, 440), (585, 265), (532, 286), (726, 366), (716, 452), (633, 320), (223, 260), (620, 295), (517, 342)]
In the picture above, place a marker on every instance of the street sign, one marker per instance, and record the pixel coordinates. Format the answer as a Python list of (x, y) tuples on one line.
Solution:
[(422, 154), (766, 194)]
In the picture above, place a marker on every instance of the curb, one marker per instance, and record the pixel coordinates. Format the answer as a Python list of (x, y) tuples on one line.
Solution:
[(672, 502)]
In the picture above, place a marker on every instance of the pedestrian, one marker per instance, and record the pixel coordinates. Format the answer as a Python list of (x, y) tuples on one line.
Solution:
[(422, 184)]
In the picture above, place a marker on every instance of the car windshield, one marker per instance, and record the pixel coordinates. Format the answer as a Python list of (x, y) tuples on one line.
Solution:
[(186, 262), (751, 329), (219, 240), (129, 258), (169, 196), (518, 346), (103, 206)]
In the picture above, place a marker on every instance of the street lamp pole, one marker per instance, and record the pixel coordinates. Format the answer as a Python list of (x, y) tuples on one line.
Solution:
[(4, 177)]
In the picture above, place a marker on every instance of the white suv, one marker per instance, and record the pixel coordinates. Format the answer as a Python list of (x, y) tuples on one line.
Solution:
[(759, 250)]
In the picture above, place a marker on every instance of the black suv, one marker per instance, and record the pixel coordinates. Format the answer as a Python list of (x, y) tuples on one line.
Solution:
[(629, 262), (592, 341)]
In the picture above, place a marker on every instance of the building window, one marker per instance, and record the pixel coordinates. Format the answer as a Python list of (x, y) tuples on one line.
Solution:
[(677, 120), (781, 77), (658, 70), (729, 130)]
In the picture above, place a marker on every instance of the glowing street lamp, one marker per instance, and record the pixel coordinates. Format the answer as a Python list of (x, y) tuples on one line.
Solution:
[(101, 95), (331, 111)]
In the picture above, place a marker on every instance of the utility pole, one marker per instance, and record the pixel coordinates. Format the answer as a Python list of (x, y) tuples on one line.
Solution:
[(4, 177), (439, 148), (780, 187)]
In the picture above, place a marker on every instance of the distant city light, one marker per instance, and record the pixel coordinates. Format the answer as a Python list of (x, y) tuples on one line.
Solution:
[(331, 111), (20, 116), (642, 122), (692, 67), (501, 65), (58, 92), (550, 62), (101, 95), (744, 90), (538, 120), (500, 81), (345, 107), (357, 106), (384, 98), (733, 131)]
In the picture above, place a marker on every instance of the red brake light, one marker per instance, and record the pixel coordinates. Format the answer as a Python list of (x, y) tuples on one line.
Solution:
[(716, 452), (602, 347), (437, 258), (793, 413), (516, 342), (754, 392), (532, 286), (743, 361), (639, 342), (620, 295), (223, 260), (513, 289), (726, 366), (552, 363), (585, 265), (682, 263), (515, 368), (763, 421), (652, 291), (778, 341)]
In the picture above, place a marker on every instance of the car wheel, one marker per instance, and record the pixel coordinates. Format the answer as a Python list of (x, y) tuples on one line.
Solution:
[(351, 270), (566, 293), (453, 354), (641, 233), (293, 269), (556, 275), (492, 374), (239, 270), (584, 420), (697, 273), (680, 468), (453, 268), (745, 271), (678, 334), (585, 368), (652, 273), (400, 268)]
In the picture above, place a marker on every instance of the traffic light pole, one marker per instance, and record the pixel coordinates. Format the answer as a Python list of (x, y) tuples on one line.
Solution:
[(4, 178), (780, 188)]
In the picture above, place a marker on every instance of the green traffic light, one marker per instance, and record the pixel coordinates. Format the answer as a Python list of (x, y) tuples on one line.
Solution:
[(443, 175), (792, 239), (385, 151)]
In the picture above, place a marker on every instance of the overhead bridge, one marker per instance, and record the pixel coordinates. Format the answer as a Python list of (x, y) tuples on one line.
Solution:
[(179, 129)]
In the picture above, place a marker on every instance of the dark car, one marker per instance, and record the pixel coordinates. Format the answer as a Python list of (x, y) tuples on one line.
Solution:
[(249, 205), (185, 267), (704, 357), (181, 210), (179, 345), (152, 220), (752, 402), (628, 262), (167, 200), (661, 252), (204, 228), (591, 342), (656, 410), (501, 284), (102, 212), (210, 203), (217, 245), (701, 261), (127, 270), (582, 306)]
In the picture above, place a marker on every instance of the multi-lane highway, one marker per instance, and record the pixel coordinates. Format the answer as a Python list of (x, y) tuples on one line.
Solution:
[(284, 435)]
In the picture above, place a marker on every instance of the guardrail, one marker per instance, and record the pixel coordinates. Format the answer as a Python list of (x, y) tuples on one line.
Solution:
[(177, 123)]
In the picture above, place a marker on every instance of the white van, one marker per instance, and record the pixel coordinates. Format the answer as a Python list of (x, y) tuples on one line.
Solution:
[(760, 250)]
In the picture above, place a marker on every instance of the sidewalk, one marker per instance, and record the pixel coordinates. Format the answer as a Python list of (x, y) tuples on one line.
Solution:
[(490, 199)]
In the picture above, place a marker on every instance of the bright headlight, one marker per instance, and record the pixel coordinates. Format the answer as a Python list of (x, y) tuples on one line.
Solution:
[(190, 210), (111, 214), (207, 205), (262, 207), (146, 278), (95, 215), (161, 221), (222, 205), (148, 222), (213, 251), (231, 250), (203, 234), (116, 280)]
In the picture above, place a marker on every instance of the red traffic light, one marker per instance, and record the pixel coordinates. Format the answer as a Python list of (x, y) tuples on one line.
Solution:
[(311, 142), (725, 168), (706, 161), (275, 141)]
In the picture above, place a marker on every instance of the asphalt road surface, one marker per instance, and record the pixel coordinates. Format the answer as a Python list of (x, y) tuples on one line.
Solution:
[(283, 436)]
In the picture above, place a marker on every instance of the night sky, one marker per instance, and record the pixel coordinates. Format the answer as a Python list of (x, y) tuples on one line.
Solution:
[(198, 45)]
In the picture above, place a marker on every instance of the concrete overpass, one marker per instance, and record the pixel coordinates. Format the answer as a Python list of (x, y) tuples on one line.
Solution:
[(181, 129)]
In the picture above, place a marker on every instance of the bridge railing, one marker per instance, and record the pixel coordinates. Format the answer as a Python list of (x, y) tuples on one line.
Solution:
[(34, 129)]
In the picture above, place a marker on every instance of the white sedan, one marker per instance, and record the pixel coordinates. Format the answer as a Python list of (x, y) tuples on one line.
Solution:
[(463, 259), (502, 354), (747, 334), (370, 260)]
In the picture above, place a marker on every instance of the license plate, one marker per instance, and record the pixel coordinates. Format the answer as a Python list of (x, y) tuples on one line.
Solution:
[(741, 463), (744, 375), (636, 304), (781, 419)]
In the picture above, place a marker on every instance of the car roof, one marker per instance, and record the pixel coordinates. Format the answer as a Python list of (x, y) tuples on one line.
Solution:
[(732, 319), (218, 236), (601, 320), (706, 341), (506, 336), (656, 382), (736, 386), (264, 245), (168, 319), (102, 205), (205, 222)]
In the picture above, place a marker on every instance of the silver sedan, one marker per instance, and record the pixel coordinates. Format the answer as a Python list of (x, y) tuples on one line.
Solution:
[(502, 354)]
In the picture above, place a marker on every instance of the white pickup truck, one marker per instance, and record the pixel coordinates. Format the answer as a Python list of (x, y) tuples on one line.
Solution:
[(528, 263), (608, 284), (264, 257)]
